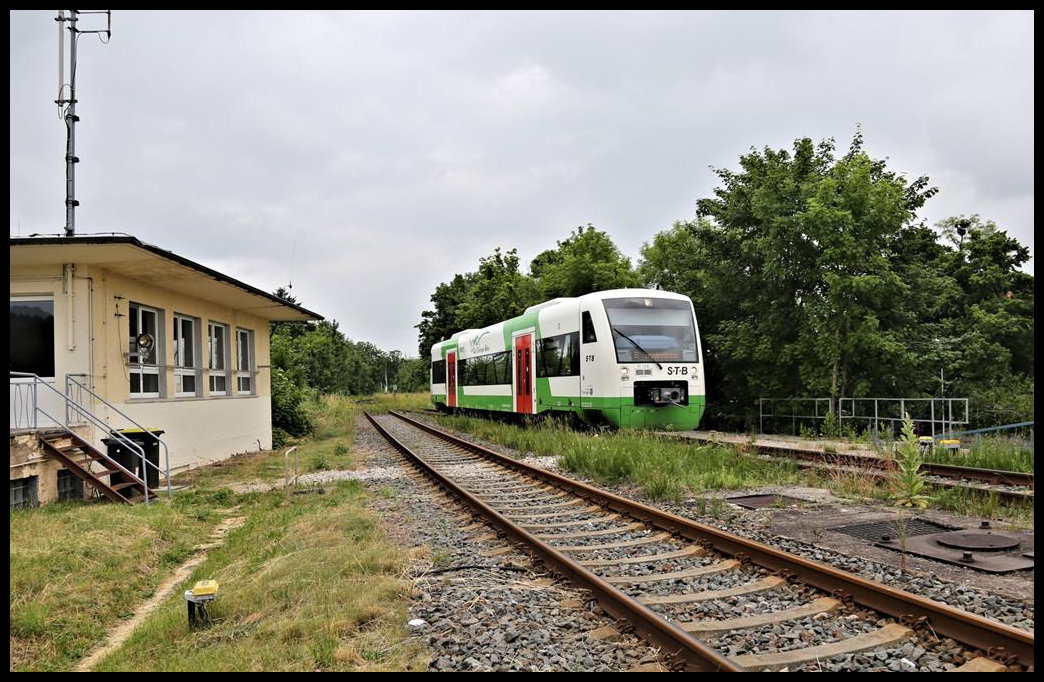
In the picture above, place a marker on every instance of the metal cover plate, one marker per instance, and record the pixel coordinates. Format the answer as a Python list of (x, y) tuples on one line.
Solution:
[(978, 541), (988, 562), (763, 501), (875, 530)]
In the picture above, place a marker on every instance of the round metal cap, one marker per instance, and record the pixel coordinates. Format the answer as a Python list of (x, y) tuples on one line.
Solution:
[(981, 542)]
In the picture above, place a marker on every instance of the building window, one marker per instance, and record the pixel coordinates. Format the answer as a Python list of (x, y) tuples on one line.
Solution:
[(244, 361), (24, 493), (218, 334), (32, 336), (144, 351), (186, 356), (69, 487)]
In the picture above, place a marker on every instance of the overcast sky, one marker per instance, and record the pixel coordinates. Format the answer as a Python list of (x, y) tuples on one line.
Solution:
[(368, 156)]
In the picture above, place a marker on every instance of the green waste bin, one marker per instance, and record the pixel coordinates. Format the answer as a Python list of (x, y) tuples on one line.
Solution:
[(151, 446)]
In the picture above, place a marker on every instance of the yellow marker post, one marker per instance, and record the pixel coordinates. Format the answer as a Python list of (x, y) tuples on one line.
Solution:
[(199, 598)]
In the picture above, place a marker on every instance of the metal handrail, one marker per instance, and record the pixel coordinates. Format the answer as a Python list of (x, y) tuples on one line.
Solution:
[(69, 378), (129, 444), (286, 468), (126, 442)]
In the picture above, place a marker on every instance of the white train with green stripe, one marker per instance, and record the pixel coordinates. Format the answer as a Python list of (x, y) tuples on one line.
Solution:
[(627, 357)]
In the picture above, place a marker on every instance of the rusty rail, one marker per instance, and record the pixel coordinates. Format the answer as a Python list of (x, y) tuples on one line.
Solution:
[(678, 644), (997, 639)]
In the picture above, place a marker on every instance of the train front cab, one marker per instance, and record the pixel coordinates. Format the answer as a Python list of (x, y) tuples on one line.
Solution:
[(654, 378)]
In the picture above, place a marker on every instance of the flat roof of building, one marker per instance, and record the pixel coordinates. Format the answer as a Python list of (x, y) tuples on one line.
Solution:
[(127, 256)]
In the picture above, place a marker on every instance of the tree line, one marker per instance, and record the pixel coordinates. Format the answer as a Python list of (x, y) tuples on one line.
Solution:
[(811, 275), (310, 359)]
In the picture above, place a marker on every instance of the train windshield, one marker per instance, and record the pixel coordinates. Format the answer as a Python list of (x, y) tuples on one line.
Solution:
[(652, 329)]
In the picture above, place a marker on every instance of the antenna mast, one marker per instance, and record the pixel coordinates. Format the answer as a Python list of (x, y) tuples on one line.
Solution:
[(70, 101)]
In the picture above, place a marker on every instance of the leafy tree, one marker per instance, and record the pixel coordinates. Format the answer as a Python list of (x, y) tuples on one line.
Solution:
[(790, 268), (586, 261), (499, 291), (412, 376), (441, 322), (293, 328)]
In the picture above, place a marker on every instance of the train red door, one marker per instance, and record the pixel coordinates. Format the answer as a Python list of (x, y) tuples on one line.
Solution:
[(524, 374), (451, 378)]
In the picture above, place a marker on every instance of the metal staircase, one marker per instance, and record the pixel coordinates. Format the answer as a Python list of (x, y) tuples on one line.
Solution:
[(77, 455), (55, 433)]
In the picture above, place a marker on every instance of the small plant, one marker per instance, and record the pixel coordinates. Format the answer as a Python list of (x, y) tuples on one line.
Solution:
[(319, 462), (441, 557), (905, 479), (340, 449), (720, 509), (831, 426)]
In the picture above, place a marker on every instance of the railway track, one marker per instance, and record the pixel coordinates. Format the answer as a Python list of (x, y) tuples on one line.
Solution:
[(1011, 485), (710, 599)]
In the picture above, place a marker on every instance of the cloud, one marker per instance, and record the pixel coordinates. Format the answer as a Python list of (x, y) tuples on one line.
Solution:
[(369, 156)]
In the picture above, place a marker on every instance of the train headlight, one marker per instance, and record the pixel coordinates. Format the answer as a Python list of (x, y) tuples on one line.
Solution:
[(624, 371)]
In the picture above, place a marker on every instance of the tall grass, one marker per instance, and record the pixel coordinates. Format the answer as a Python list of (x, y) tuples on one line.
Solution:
[(989, 452), (306, 583), (77, 569), (662, 468)]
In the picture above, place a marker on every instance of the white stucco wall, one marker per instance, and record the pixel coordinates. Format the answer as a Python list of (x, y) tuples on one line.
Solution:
[(202, 431), (91, 338)]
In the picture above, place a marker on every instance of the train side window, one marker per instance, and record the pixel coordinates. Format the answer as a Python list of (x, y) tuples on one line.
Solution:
[(589, 330), (438, 372)]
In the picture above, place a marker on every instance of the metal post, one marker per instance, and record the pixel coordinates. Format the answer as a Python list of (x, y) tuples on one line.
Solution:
[(70, 125)]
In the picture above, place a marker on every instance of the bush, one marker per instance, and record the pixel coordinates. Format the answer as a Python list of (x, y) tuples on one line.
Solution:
[(290, 418)]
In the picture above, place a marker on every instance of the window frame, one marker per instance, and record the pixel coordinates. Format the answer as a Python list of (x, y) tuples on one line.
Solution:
[(30, 496), (41, 298), (245, 370), (136, 367), (566, 348), (438, 372), (222, 372), (587, 328), (192, 370), (65, 491)]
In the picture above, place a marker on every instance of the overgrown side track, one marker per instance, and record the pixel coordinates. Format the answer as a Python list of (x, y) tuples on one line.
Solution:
[(1011, 485), (621, 550)]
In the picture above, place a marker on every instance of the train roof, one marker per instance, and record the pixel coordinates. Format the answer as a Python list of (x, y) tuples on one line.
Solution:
[(597, 295)]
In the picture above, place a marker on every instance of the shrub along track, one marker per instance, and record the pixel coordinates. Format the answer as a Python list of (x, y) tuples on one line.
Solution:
[(652, 569)]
